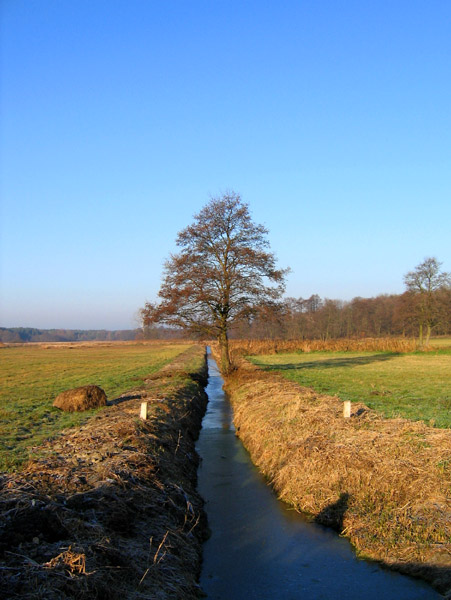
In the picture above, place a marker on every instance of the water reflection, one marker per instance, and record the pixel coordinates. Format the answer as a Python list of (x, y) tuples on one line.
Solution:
[(259, 548)]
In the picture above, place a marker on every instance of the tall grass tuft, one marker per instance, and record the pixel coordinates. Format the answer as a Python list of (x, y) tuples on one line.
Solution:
[(387, 344)]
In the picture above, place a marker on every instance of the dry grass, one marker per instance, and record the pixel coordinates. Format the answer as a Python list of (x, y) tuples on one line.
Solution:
[(93, 344), (32, 375), (441, 342), (110, 510), (384, 483), (252, 347), (416, 385)]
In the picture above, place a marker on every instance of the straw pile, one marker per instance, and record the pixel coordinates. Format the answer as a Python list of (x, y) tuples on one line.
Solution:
[(110, 509), (384, 483), (81, 398)]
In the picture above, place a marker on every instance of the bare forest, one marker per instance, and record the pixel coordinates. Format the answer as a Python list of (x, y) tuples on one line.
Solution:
[(323, 318)]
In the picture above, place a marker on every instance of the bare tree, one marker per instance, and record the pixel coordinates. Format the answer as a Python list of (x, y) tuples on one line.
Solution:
[(224, 274), (423, 285)]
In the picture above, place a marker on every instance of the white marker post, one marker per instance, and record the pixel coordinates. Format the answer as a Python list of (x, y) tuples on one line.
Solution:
[(143, 414), (346, 409)]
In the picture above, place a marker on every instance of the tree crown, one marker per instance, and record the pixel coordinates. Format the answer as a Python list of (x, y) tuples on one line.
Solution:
[(427, 277), (223, 273)]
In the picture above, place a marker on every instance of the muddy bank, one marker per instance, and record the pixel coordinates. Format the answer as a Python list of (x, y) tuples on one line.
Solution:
[(111, 510), (383, 483)]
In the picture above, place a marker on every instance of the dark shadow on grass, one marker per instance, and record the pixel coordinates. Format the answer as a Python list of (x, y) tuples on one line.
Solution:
[(439, 576), (124, 397), (333, 363), (333, 514)]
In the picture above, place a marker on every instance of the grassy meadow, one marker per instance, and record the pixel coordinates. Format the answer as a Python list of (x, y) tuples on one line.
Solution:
[(414, 385), (32, 376), (383, 483)]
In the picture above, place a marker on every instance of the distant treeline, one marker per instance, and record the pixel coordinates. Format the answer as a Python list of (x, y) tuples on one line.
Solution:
[(294, 318), (30, 334), (14, 335), (323, 318)]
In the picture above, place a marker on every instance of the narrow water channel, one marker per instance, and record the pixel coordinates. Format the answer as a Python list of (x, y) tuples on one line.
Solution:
[(259, 548)]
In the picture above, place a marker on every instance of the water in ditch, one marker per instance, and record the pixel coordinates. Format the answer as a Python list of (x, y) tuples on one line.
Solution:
[(259, 548)]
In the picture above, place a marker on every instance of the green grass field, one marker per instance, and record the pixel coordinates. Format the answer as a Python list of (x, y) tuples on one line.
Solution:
[(32, 376), (416, 386)]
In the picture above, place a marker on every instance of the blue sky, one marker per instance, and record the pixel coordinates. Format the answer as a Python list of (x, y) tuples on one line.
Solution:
[(119, 119)]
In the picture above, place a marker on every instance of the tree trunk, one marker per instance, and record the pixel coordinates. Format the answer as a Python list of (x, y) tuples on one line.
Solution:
[(225, 356), (420, 340), (428, 334)]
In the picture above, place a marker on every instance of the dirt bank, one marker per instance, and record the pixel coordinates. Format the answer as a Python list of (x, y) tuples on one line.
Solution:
[(384, 483), (110, 510)]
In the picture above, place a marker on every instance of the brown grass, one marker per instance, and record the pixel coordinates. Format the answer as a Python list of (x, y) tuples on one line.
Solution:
[(253, 347), (110, 510), (384, 483), (96, 343), (31, 376), (81, 398)]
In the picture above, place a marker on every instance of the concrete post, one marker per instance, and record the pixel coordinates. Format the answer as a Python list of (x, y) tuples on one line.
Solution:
[(143, 414)]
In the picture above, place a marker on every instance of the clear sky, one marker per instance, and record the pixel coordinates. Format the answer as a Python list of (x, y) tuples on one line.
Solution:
[(119, 119)]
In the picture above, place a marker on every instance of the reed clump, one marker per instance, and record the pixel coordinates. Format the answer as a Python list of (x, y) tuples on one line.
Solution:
[(273, 346), (383, 483)]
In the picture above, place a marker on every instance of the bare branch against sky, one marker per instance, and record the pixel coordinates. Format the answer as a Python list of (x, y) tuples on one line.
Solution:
[(118, 120)]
